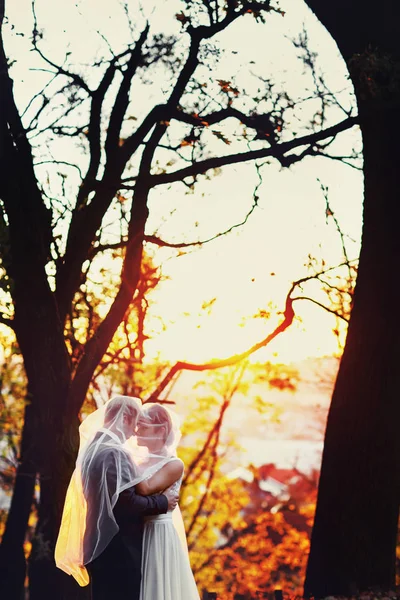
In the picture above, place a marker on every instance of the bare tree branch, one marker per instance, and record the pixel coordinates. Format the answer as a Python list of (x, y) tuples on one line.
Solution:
[(330, 310), (277, 151), (77, 79), (288, 316), (231, 360), (60, 162), (153, 239), (259, 122), (122, 98)]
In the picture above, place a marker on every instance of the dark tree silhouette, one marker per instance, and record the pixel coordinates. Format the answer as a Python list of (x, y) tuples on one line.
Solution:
[(353, 544)]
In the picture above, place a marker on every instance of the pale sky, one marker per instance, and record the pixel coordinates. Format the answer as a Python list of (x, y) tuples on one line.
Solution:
[(290, 221)]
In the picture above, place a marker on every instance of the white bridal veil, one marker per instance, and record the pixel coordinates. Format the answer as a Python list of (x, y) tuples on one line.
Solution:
[(111, 459)]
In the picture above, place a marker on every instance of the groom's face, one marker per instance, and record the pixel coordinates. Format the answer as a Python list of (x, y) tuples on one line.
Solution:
[(130, 421)]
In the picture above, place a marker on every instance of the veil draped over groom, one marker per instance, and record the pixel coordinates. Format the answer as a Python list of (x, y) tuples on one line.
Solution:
[(109, 461)]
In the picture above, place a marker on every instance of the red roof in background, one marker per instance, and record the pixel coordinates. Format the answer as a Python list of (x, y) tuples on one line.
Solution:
[(281, 475)]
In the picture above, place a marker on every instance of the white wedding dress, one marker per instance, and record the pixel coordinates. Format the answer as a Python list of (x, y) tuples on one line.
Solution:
[(166, 571)]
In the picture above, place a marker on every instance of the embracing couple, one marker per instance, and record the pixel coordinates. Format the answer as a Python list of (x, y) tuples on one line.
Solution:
[(121, 527)]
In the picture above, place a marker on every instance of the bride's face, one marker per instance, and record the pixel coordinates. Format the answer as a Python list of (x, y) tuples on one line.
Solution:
[(146, 434)]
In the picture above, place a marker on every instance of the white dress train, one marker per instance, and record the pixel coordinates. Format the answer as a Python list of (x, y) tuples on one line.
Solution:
[(166, 571)]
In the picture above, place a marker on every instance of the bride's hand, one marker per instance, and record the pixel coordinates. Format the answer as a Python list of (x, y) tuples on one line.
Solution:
[(172, 497)]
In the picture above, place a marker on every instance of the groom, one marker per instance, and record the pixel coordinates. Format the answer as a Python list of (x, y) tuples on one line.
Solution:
[(116, 572)]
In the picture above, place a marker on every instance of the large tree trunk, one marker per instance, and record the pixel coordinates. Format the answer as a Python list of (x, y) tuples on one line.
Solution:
[(12, 557), (49, 441), (44, 577), (353, 544)]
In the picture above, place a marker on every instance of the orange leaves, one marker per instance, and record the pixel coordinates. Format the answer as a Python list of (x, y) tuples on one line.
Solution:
[(269, 553), (201, 121), (182, 18), (227, 87), (282, 383), (120, 197), (187, 142)]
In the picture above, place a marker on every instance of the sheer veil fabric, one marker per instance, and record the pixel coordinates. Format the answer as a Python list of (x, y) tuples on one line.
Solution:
[(166, 570), (110, 460), (160, 437)]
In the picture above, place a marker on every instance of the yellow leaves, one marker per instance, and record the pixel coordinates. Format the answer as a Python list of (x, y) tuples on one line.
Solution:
[(27, 549), (208, 304)]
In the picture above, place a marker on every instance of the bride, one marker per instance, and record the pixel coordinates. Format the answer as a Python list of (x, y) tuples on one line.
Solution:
[(166, 571)]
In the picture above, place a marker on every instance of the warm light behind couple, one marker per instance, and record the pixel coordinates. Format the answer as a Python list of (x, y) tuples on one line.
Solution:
[(121, 524)]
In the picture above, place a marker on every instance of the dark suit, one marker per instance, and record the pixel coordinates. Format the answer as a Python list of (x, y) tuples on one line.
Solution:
[(116, 573)]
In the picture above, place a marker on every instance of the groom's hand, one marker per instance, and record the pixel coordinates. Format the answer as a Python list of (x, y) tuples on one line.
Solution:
[(172, 498)]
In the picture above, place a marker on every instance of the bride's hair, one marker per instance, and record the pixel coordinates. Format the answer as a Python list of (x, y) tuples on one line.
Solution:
[(118, 406), (158, 415)]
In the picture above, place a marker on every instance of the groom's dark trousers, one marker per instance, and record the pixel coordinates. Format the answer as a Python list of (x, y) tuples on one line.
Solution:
[(116, 573)]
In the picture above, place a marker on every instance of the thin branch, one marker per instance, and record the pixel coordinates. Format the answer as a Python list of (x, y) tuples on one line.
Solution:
[(122, 99), (288, 316), (330, 310), (203, 32), (77, 79), (213, 437), (35, 96), (94, 127), (329, 213), (334, 287), (343, 159), (211, 472), (53, 125), (259, 122), (133, 142), (59, 162), (153, 239), (231, 360), (277, 151)]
